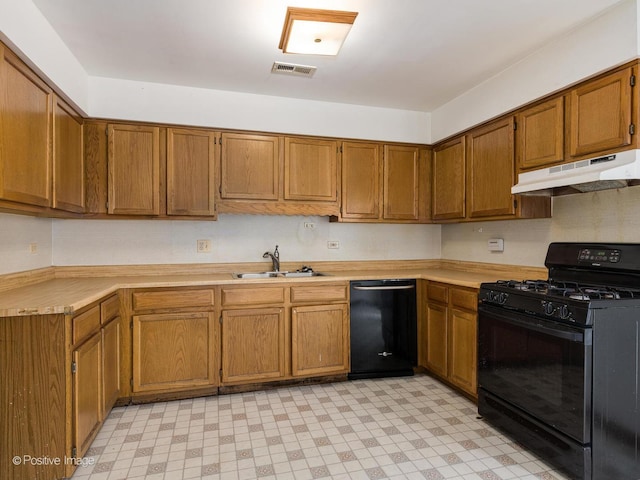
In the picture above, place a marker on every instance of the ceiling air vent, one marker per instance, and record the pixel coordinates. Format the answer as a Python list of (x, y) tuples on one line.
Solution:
[(293, 69)]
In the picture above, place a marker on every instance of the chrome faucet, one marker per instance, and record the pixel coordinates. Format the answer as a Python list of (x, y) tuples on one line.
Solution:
[(275, 259)]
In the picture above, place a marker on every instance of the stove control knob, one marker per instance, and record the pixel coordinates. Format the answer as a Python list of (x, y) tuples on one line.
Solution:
[(502, 298), (565, 314), (493, 296), (549, 308)]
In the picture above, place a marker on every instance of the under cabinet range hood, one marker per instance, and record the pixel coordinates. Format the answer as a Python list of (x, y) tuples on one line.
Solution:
[(617, 170)]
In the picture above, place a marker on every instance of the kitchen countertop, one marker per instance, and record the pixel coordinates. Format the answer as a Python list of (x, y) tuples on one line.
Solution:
[(68, 295)]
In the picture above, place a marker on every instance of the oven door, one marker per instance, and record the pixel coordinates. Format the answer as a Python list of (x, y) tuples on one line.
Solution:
[(540, 366)]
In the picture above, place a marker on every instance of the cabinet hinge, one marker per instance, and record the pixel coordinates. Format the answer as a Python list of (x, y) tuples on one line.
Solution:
[(131, 324), (74, 452), (220, 142), (131, 382), (220, 374), (106, 205), (340, 148), (632, 80), (220, 319), (632, 129), (515, 203), (515, 125), (74, 367)]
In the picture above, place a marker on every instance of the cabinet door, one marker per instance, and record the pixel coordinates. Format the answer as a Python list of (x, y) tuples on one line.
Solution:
[(319, 340), (311, 170), (25, 129), (110, 364), (174, 351), (490, 170), (253, 345), (360, 180), (540, 135), (87, 393), (400, 171), (449, 180), (190, 172), (462, 350), (437, 338), (134, 169), (601, 114), (68, 159), (250, 167)]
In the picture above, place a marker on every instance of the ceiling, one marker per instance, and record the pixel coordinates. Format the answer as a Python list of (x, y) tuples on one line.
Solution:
[(404, 54)]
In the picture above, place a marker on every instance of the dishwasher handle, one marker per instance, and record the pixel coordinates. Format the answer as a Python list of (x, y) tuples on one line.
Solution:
[(385, 287)]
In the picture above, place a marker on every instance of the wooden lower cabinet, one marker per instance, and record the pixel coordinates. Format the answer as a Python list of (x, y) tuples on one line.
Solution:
[(253, 345), (450, 336), (174, 351), (319, 340), (111, 363), (87, 393)]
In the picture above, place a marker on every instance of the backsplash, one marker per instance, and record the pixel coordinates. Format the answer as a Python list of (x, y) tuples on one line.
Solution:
[(605, 216), (17, 233)]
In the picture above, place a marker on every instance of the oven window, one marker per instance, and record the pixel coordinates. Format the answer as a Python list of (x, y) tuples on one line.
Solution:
[(543, 372)]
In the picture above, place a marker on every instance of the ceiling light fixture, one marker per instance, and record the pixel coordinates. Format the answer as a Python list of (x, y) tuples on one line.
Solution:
[(315, 32)]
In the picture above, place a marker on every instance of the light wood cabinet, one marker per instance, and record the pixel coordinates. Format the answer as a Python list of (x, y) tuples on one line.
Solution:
[(111, 351), (601, 113), (450, 335), (174, 351), (540, 135), (133, 169), (310, 170), (87, 398), (361, 179), (401, 176), (25, 132), (191, 183), (68, 158), (449, 180), (253, 345), (250, 167), (491, 170)]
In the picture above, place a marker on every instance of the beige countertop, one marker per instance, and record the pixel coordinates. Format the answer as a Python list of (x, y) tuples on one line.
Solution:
[(68, 295)]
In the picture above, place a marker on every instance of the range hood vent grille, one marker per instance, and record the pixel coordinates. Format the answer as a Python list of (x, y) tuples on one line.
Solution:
[(293, 69)]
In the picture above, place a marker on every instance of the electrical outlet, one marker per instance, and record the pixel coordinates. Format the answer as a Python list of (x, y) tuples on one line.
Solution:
[(33, 248), (333, 244), (203, 246), (309, 225)]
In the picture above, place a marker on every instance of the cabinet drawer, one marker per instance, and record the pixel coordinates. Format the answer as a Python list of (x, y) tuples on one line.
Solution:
[(319, 293), (109, 309), (437, 293), (252, 296), (85, 324), (466, 299), (167, 299)]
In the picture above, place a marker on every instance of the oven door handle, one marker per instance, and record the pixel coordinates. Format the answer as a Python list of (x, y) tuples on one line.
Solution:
[(534, 324)]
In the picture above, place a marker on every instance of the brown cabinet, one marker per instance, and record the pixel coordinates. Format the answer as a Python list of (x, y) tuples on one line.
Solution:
[(133, 169), (449, 180), (191, 184), (540, 135), (25, 132), (175, 341), (450, 335), (383, 183), (310, 170), (111, 351), (491, 170), (87, 394), (250, 167), (601, 114), (68, 159)]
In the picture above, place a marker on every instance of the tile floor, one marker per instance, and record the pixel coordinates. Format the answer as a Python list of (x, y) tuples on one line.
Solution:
[(410, 427)]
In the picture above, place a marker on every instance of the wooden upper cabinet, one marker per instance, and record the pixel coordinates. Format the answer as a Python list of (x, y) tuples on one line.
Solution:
[(191, 172), (68, 159), (361, 180), (490, 169), (540, 135), (400, 179), (133, 169), (601, 114), (250, 167), (448, 184), (310, 170), (25, 128)]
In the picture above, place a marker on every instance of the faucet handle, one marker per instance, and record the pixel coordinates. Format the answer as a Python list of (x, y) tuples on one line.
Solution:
[(276, 253)]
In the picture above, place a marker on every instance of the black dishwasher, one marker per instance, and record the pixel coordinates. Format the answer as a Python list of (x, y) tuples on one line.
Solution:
[(383, 328)]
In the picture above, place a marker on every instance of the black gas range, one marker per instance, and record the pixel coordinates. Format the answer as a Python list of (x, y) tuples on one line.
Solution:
[(558, 359)]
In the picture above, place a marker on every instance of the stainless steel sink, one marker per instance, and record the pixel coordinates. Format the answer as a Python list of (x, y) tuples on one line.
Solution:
[(277, 274)]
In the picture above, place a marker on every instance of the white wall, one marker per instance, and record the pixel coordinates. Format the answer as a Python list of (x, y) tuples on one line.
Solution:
[(24, 27), (152, 102), (605, 41), (606, 216), (16, 233), (236, 238)]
